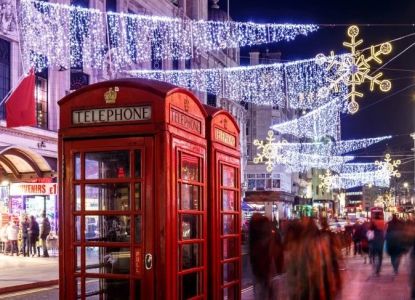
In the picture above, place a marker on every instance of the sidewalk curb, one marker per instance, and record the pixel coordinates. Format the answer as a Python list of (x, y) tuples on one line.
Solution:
[(28, 286)]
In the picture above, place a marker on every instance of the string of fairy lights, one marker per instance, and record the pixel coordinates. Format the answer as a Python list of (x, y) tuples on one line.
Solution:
[(296, 85), (60, 35)]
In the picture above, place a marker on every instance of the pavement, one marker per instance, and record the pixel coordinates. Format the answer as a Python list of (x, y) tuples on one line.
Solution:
[(359, 281), (19, 273)]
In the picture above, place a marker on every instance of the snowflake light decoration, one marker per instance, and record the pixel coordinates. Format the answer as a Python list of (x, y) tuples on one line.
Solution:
[(271, 151), (326, 180), (389, 166), (355, 69)]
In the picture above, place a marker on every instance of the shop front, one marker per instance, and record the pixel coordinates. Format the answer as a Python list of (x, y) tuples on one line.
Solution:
[(26, 185), (33, 199), (276, 205)]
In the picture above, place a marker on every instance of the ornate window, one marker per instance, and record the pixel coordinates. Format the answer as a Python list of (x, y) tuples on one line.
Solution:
[(4, 74), (41, 96)]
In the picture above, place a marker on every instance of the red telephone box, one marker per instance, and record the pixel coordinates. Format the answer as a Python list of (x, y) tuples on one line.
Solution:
[(224, 205), (133, 193)]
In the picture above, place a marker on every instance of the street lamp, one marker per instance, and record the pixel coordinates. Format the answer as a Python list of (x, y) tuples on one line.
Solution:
[(405, 185)]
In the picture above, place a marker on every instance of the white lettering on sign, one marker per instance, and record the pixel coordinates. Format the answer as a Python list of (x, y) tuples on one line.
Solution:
[(21, 189), (113, 114)]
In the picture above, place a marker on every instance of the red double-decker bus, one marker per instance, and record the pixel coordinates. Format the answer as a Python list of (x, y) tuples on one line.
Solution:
[(376, 213)]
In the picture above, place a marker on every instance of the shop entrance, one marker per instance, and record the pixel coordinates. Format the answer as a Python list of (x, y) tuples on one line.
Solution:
[(111, 215)]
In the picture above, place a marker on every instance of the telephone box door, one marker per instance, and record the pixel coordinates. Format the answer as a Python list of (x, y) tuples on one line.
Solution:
[(108, 215)]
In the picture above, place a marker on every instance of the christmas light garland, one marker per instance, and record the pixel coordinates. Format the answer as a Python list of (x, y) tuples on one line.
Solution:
[(356, 179), (321, 122), (333, 148), (299, 162), (357, 168), (295, 84), (61, 35)]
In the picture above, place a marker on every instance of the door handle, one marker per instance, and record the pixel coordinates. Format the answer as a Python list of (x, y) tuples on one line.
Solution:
[(148, 261)]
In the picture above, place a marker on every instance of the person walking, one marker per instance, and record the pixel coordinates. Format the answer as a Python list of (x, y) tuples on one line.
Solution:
[(378, 227), (44, 232), (25, 236), (12, 233), (394, 242), (33, 234), (261, 256)]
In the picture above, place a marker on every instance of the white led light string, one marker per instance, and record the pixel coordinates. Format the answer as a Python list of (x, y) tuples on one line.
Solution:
[(333, 148), (61, 35), (321, 122), (297, 83), (356, 179)]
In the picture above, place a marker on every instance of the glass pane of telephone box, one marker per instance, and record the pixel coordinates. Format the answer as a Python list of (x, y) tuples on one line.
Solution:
[(228, 176), (107, 289), (110, 196), (107, 228), (190, 169), (228, 200), (190, 285), (107, 260), (77, 166), (191, 256), (189, 197), (190, 227), (111, 164)]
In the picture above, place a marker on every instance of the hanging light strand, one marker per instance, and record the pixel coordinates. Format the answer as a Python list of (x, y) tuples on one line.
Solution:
[(321, 122), (296, 84), (62, 35)]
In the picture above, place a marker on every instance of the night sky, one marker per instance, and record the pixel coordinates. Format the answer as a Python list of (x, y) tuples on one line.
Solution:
[(389, 113)]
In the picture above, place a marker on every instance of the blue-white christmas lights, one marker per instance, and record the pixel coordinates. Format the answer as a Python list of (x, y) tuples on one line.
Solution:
[(67, 36)]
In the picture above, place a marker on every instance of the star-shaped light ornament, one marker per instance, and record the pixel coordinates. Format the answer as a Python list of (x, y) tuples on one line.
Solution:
[(355, 69), (389, 166), (326, 181), (270, 152)]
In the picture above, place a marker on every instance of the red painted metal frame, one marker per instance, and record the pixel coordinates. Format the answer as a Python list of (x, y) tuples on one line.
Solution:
[(222, 153), (161, 138), (145, 145)]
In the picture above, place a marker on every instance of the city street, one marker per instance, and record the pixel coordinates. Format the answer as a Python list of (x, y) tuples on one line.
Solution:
[(359, 283)]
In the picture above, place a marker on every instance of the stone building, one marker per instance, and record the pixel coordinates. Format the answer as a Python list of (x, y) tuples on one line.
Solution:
[(28, 155)]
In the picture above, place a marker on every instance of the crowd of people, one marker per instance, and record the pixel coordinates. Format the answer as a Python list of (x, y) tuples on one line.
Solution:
[(311, 256), (26, 237)]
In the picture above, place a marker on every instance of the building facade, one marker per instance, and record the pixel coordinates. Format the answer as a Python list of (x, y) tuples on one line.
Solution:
[(269, 192), (28, 155)]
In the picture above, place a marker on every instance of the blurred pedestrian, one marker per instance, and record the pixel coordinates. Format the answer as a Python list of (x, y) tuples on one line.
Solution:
[(33, 234), (261, 256), (394, 242), (24, 226), (44, 232), (358, 235), (12, 233), (378, 227), (348, 233)]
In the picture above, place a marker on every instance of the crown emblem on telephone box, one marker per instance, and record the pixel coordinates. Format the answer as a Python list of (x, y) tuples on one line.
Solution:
[(110, 96)]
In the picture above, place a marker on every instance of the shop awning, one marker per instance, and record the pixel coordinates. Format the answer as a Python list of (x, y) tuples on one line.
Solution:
[(20, 162)]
